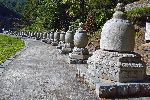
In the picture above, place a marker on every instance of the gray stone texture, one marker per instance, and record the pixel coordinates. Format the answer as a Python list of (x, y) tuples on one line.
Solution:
[(69, 42), (62, 36), (80, 54), (119, 67), (80, 37), (114, 70), (41, 73), (69, 37), (117, 35)]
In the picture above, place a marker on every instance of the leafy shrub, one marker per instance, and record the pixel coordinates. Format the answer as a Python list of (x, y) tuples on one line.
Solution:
[(138, 15)]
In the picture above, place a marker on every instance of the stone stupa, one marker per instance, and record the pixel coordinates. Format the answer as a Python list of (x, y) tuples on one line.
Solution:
[(80, 53), (69, 43), (116, 70)]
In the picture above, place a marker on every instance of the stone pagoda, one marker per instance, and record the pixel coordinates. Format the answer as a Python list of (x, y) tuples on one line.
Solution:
[(80, 54), (115, 70), (69, 43)]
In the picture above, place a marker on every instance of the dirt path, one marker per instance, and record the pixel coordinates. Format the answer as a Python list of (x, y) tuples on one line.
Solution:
[(41, 73)]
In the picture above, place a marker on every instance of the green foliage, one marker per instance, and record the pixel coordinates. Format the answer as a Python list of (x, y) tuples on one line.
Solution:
[(56, 14), (75, 25), (16, 5), (138, 15), (46, 15), (9, 46)]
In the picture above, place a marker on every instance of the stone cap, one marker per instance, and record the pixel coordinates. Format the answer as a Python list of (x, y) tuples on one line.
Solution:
[(119, 11), (80, 29)]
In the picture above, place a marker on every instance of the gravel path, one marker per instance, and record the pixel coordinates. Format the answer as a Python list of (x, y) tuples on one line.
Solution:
[(41, 73)]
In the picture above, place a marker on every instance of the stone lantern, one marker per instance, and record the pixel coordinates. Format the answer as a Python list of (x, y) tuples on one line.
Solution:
[(80, 54), (56, 38), (115, 70), (69, 43)]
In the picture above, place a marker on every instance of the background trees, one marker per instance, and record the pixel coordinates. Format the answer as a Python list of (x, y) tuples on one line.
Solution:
[(43, 15)]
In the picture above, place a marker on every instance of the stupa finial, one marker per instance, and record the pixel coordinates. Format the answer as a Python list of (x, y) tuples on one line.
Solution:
[(119, 10)]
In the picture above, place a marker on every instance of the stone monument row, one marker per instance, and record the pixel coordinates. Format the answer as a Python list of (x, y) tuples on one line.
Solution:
[(115, 70)]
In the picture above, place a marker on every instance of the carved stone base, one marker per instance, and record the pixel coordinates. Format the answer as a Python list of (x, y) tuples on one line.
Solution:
[(65, 50), (76, 61), (49, 41), (115, 66), (44, 40), (38, 38), (79, 56), (58, 47), (54, 43), (114, 73), (109, 89)]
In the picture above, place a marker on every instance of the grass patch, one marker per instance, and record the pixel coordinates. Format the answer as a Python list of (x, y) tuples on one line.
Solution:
[(9, 46)]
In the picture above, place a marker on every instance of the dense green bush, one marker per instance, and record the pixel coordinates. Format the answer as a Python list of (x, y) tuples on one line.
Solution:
[(56, 14)]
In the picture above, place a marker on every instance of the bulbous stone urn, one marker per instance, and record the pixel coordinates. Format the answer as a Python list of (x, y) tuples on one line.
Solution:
[(69, 37), (52, 36), (62, 36), (80, 37), (80, 54), (56, 36), (117, 33), (69, 44)]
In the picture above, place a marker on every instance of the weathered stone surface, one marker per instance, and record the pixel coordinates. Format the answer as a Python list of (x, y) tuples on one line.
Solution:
[(80, 37), (62, 36), (56, 38), (69, 43), (117, 35), (108, 89), (137, 5), (69, 37), (80, 54), (41, 73), (114, 66)]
